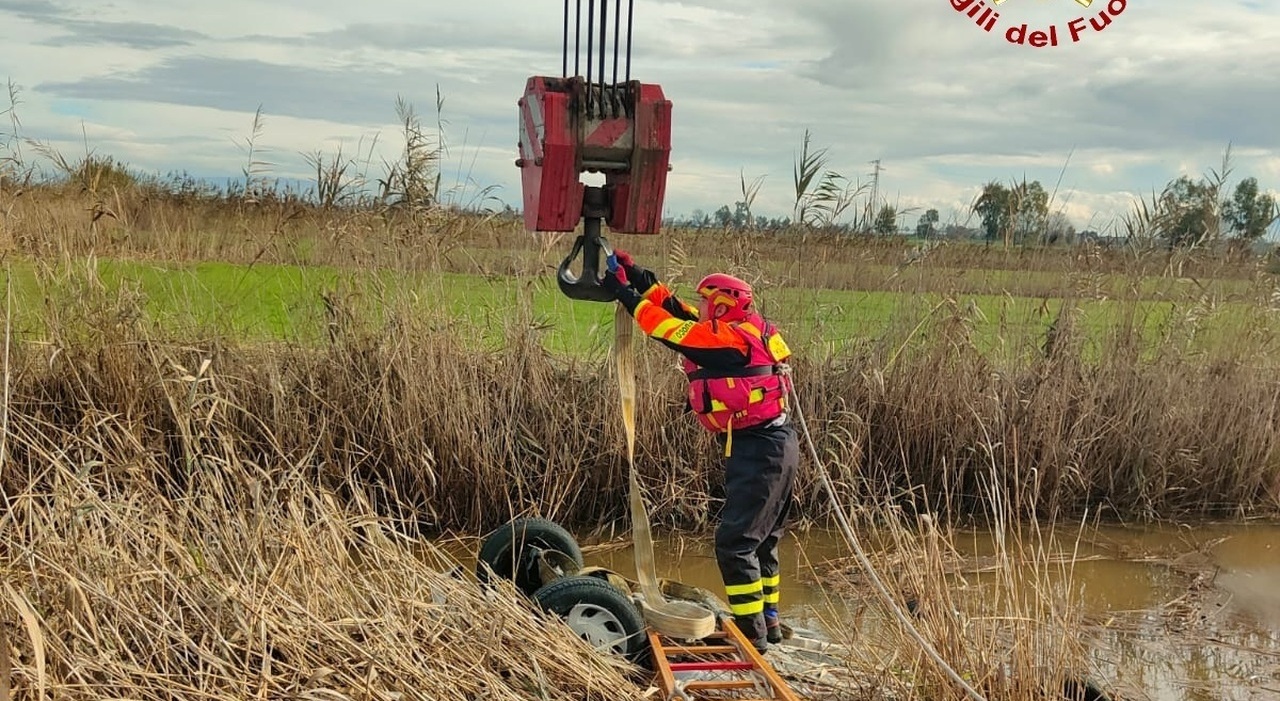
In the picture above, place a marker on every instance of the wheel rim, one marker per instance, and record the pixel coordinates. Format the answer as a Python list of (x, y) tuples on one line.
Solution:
[(598, 626)]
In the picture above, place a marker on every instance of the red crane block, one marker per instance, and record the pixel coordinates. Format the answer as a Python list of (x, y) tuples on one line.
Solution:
[(568, 127), (637, 195), (549, 157)]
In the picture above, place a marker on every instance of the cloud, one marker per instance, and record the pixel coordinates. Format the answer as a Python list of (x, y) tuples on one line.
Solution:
[(83, 32), (353, 95), (134, 35), (942, 104), (32, 9)]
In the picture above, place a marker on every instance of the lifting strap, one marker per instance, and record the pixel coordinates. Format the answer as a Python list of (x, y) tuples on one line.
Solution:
[(682, 620)]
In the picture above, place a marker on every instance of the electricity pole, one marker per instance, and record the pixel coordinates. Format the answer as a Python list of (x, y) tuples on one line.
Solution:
[(873, 206)]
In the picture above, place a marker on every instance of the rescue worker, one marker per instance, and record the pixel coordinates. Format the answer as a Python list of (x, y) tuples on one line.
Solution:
[(732, 358)]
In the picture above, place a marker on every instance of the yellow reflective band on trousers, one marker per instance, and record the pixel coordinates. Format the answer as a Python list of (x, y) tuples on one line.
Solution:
[(770, 588), (746, 599), (747, 609)]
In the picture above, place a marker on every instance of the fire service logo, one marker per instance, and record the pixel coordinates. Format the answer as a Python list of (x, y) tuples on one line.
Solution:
[(986, 15)]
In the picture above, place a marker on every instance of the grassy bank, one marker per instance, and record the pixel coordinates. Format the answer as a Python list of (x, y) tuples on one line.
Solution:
[(295, 303), (428, 354), (1116, 418), (237, 575), (222, 417)]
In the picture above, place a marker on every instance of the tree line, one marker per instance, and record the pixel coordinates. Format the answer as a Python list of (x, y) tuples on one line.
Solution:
[(1186, 213)]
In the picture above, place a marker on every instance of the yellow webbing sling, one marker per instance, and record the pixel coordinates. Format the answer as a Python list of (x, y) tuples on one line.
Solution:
[(676, 619)]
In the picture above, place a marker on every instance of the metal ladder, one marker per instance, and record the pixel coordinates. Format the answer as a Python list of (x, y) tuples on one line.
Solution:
[(726, 665)]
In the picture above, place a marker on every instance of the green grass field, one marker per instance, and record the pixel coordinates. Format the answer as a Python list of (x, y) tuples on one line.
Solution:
[(294, 303)]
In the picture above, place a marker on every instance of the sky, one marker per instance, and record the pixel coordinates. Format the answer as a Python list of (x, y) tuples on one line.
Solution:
[(945, 106)]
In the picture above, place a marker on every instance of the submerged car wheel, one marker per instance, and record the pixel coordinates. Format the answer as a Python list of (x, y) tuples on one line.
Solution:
[(600, 613), (505, 553)]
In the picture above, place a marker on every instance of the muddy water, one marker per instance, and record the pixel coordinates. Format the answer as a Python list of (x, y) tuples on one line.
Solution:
[(1172, 613)]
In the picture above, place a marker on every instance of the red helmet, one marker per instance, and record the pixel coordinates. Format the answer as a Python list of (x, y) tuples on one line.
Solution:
[(725, 297)]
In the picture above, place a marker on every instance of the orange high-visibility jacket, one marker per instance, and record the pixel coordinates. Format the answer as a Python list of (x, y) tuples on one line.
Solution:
[(727, 387)]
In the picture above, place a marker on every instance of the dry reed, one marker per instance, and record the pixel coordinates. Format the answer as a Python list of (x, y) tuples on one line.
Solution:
[(248, 581), (182, 222), (445, 437), (193, 516)]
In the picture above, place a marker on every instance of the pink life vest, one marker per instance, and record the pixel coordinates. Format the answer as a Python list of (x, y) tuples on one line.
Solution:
[(747, 396)]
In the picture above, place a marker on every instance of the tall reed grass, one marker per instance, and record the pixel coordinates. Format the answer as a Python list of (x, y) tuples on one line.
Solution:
[(1011, 628), (111, 216), (188, 514), (406, 412), (158, 542)]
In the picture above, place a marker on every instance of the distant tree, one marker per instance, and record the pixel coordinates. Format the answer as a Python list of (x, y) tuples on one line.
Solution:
[(1188, 213), (1192, 213), (886, 221), (1248, 213), (928, 224), (1014, 215), (737, 217), (1059, 230), (773, 224), (699, 219), (724, 217), (742, 218), (1030, 205), (994, 209)]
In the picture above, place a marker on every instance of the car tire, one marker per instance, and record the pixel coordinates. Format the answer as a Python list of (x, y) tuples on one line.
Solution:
[(602, 615), (504, 553)]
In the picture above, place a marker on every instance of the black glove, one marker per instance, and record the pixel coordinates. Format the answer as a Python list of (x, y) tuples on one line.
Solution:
[(620, 286), (641, 278)]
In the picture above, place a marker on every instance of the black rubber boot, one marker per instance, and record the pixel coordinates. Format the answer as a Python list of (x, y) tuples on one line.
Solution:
[(772, 625), (753, 627)]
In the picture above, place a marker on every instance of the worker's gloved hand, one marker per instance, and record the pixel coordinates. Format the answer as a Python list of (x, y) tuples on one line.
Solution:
[(622, 290), (641, 278), (624, 258)]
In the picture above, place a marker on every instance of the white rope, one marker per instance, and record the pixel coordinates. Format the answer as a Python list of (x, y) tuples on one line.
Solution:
[(862, 556)]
